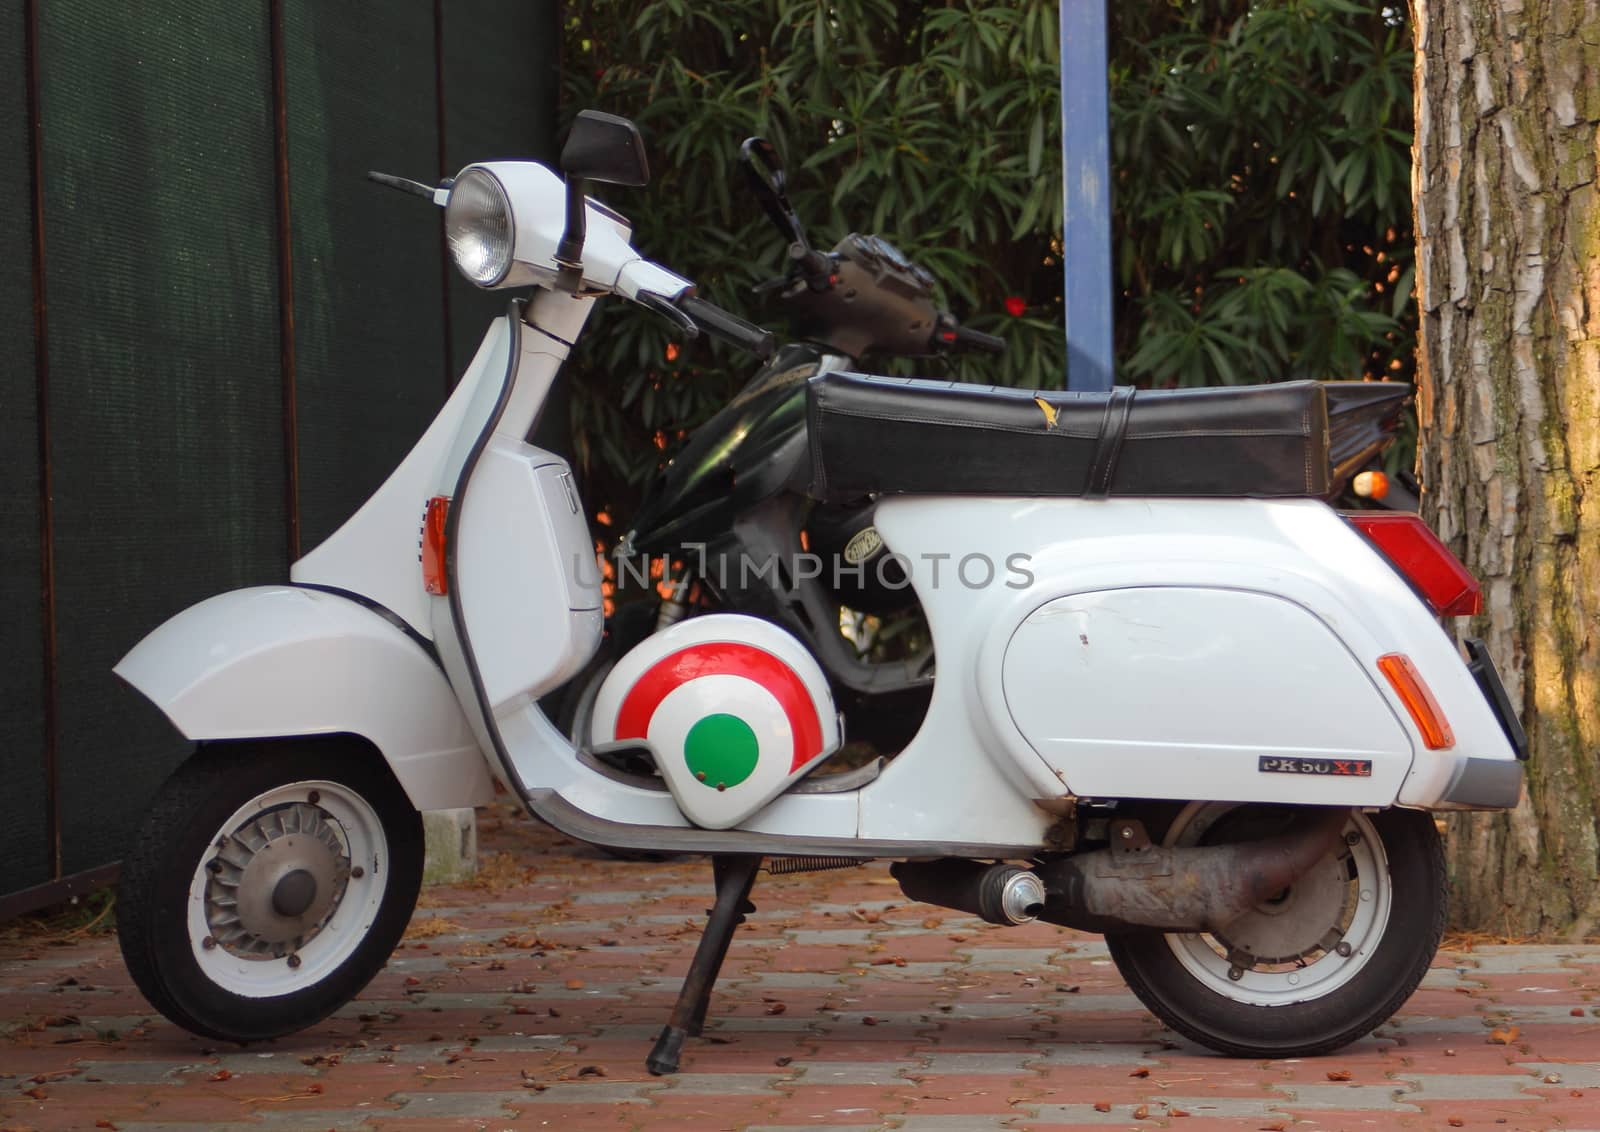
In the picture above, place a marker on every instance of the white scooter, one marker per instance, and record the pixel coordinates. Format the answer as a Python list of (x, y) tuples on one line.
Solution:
[(1180, 700)]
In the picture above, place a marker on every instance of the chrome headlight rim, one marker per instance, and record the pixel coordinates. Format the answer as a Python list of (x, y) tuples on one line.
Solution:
[(472, 237)]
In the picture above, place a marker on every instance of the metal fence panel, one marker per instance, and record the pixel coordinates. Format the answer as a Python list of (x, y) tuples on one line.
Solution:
[(499, 103), (166, 450), (24, 851), (368, 277)]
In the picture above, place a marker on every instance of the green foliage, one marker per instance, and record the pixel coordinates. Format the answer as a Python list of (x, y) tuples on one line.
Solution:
[(1261, 164)]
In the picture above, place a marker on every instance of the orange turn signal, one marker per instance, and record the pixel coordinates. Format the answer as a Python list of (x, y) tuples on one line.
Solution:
[(434, 579), (1370, 485), (1415, 694)]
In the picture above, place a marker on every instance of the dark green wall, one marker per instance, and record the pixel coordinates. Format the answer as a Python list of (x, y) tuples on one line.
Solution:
[(167, 360)]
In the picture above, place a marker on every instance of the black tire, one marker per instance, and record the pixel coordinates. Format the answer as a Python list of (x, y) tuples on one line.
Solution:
[(1396, 965), (180, 835)]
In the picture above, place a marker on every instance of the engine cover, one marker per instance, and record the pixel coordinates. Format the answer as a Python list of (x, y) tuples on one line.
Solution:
[(733, 708)]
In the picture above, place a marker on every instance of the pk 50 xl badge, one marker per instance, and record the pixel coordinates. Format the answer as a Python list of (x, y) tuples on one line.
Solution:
[(1342, 768)]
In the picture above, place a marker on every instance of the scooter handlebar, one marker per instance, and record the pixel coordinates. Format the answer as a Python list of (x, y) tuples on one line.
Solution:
[(729, 327)]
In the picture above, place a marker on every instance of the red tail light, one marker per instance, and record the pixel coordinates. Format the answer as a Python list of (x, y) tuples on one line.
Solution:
[(1427, 563)]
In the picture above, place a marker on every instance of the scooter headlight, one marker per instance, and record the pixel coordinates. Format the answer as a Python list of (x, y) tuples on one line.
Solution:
[(477, 222)]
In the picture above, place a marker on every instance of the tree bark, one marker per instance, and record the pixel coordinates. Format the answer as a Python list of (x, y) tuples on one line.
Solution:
[(1508, 276)]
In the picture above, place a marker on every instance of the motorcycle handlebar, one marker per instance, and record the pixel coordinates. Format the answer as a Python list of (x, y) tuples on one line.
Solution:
[(965, 338), (729, 327)]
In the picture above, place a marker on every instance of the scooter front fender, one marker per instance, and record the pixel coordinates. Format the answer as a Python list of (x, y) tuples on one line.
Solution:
[(276, 661)]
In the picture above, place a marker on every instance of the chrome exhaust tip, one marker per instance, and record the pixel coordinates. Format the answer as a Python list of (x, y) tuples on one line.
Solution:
[(1000, 894)]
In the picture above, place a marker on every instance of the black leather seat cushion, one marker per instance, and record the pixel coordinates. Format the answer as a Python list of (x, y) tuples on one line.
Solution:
[(898, 435)]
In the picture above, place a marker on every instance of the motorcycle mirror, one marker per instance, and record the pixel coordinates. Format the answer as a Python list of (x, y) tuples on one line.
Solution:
[(764, 169), (605, 148), (601, 147)]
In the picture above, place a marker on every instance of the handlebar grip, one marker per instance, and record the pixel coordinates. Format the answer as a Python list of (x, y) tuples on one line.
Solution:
[(729, 327), (962, 337)]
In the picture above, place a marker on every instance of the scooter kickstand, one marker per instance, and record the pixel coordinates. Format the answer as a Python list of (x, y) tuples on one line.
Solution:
[(734, 877)]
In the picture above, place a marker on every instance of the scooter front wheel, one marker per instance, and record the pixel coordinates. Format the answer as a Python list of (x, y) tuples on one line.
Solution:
[(269, 884), (1318, 965)]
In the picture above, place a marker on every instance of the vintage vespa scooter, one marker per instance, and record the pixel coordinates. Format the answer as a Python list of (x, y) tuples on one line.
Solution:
[(1207, 724)]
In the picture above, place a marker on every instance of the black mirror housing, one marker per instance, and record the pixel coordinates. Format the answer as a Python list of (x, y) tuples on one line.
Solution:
[(605, 148)]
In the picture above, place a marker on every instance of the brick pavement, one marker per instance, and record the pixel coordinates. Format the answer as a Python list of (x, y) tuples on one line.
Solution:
[(528, 999)]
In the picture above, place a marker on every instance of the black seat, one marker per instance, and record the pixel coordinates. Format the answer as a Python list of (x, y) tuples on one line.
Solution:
[(897, 435)]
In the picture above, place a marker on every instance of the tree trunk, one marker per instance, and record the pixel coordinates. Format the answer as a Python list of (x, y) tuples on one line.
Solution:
[(1508, 276)]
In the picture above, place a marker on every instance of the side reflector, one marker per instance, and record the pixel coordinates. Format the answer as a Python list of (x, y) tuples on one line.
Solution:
[(1419, 701), (433, 576), (1417, 553)]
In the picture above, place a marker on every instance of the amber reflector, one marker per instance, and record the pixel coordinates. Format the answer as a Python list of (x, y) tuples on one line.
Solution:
[(1419, 701), (433, 575)]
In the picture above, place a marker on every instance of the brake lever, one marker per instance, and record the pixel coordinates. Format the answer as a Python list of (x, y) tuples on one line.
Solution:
[(771, 187), (669, 310)]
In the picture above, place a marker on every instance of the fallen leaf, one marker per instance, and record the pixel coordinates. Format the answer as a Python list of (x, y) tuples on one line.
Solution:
[(1275, 1126), (1454, 1121), (1576, 1012), (592, 1071), (1102, 1106), (1142, 1112), (1505, 1036), (776, 1008), (36, 1093), (1140, 1072), (931, 922), (1177, 1112), (869, 1020), (574, 984), (1339, 1075), (221, 1075), (782, 1061)]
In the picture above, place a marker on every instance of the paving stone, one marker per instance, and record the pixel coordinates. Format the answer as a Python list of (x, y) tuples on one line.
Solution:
[(961, 1123), (1092, 1053), (583, 1092), (1122, 1114), (1574, 1075), (725, 1084), (459, 1105), (854, 1072), (1522, 959), (138, 1072), (1344, 1098), (842, 937), (1469, 1086), (978, 1064), (1029, 960)]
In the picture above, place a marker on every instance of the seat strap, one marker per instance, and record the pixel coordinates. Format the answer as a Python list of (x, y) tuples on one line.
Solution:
[(1113, 427)]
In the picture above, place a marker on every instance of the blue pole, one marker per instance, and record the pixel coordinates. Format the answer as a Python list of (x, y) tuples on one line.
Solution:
[(1086, 168)]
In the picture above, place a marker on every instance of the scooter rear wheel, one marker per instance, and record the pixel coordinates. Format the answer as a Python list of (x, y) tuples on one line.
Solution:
[(269, 884), (1319, 965)]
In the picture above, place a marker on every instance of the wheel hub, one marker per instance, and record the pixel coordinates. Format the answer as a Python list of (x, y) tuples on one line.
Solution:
[(1306, 917), (276, 880)]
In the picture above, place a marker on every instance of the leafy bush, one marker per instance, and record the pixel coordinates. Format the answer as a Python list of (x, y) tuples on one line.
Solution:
[(1260, 157)]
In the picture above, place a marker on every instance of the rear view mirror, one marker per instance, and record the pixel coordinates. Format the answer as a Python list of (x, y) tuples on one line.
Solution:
[(605, 148)]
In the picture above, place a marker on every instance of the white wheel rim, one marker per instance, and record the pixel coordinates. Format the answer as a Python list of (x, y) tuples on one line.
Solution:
[(1360, 920), (352, 832)]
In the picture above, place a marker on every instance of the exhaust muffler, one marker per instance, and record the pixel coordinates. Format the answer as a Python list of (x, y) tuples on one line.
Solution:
[(1132, 884)]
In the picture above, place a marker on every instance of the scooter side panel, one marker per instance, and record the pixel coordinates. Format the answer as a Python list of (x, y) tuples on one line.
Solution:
[(529, 585), (1188, 692), (277, 661)]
